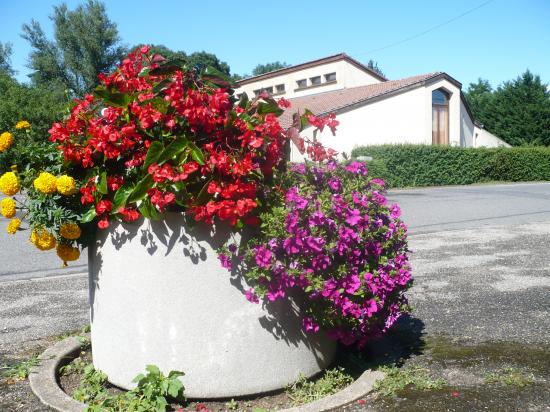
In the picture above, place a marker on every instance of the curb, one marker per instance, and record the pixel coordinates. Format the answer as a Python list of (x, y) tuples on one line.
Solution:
[(44, 383), (43, 378)]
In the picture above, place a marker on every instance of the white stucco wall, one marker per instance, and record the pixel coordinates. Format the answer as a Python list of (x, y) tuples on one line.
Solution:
[(466, 127), (347, 75), (483, 138), (397, 119)]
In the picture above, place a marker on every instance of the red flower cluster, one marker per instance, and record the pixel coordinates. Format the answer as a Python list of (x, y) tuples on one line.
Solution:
[(163, 137)]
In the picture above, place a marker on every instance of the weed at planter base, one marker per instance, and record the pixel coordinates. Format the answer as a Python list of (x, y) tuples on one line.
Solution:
[(306, 391), (21, 370)]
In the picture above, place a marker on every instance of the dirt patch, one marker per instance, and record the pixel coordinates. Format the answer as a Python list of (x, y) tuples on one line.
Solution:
[(487, 376)]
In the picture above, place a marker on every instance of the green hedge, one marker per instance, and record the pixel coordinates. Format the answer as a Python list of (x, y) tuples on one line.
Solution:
[(425, 165)]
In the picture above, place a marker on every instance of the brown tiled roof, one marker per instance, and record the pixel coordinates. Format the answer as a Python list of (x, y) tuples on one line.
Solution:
[(313, 63), (335, 100)]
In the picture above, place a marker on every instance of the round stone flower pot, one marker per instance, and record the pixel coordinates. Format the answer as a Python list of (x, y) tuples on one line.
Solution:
[(158, 295)]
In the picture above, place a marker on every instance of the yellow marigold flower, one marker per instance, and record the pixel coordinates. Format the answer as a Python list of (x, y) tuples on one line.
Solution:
[(43, 239), (9, 183), (70, 231), (6, 140), (66, 185), (46, 183), (22, 124), (7, 206), (13, 226), (67, 253)]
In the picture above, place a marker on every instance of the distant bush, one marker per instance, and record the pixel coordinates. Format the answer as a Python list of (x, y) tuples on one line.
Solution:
[(426, 165)]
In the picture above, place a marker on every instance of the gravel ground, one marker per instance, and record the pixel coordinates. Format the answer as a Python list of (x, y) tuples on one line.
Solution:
[(488, 287)]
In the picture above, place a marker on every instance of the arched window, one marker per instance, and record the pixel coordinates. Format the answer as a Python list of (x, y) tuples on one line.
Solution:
[(440, 117)]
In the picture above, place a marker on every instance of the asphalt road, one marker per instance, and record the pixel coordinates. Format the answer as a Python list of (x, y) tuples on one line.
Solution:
[(425, 210), (480, 260)]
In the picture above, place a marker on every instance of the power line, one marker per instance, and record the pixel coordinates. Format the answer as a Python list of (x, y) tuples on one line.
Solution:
[(428, 30)]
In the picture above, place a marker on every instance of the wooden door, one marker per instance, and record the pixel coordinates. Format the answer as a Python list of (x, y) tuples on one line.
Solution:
[(440, 124)]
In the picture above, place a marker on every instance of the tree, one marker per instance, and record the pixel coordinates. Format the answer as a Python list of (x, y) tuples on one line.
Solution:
[(268, 67), (41, 105), (5, 54), (201, 59), (86, 44), (371, 64), (518, 111), (480, 99), (522, 111)]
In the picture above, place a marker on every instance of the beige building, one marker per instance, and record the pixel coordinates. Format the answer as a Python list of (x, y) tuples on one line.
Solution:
[(424, 109)]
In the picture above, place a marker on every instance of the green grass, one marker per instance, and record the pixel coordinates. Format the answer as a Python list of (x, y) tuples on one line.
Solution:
[(511, 377), (20, 370), (305, 390), (398, 379)]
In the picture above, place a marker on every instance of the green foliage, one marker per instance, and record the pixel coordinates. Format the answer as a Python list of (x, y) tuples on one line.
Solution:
[(518, 111), (373, 65), (20, 370), (86, 44), (397, 379), (305, 390), (232, 405), (510, 377), (200, 59), (77, 366), (153, 392), (41, 106), (92, 386), (268, 67), (427, 165), (5, 55)]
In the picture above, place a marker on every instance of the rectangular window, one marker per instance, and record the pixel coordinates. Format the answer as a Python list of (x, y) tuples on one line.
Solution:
[(269, 90), (330, 77), (315, 80), (280, 88), (257, 92), (302, 84)]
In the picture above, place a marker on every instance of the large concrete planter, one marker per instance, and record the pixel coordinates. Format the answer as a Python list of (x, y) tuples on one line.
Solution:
[(158, 295)]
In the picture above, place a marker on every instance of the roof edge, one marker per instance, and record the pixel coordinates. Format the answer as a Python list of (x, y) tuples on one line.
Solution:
[(312, 63), (423, 82)]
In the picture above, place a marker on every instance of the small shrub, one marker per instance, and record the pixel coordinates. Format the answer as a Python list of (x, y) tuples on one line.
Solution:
[(426, 165)]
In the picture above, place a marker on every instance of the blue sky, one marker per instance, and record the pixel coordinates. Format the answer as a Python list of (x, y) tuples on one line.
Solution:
[(496, 41)]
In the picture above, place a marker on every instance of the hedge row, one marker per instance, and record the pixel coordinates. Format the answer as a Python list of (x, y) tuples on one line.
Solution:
[(424, 165)]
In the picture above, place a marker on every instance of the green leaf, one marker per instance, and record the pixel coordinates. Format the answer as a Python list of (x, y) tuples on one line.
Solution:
[(269, 107), (149, 211), (304, 122), (102, 184), (89, 215), (173, 149), (112, 98), (203, 195), (121, 196), (216, 77), (243, 101), (153, 153), (169, 67), (140, 190), (196, 153), (161, 85)]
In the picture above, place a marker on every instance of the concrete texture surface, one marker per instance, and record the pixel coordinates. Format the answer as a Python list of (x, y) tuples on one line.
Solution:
[(160, 296)]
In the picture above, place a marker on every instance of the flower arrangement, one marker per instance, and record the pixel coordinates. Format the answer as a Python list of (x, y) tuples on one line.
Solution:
[(159, 136), (332, 236)]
